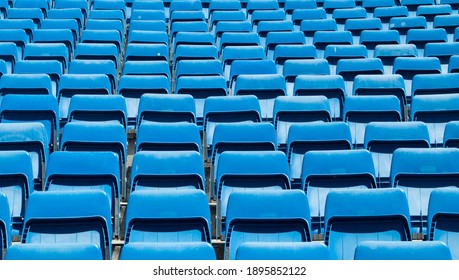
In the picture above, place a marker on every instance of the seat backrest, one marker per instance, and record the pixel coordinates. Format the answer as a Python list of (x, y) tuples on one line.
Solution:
[(25, 84), (168, 216), (57, 217), (363, 215), (396, 250), (5, 224), (282, 251), (50, 251), (274, 216), (442, 218), (166, 170)]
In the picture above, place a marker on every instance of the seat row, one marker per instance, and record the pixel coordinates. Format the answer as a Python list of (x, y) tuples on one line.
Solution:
[(177, 224)]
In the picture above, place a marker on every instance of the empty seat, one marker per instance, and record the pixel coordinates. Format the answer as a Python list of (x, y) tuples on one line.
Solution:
[(282, 53), (295, 67), (274, 39), (388, 53), (372, 38), (72, 84), (98, 108), (443, 51), (231, 26), (166, 108), (26, 25), (264, 170), (147, 68), (167, 170), (326, 171), (64, 36), (71, 18), (168, 137), (282, 251), (361, 110), (48, 51), (17, 184), (105, 67), (298, 15), (451, 136), (447, 22), (106, 24), (29, 137), (146, 52), (343, 15), (442, 218), (298, 109), (453, 66), (148, 25), (16, 36), (364, 215), (395, 250), (25, 84), (421, 37), (20, 108), (404, 24), (75, 4), (198, 68), (435, 111), (35, 14), (238, 39), (168, 251), (50, 251), (148, 37), (351, 69), (418, 172), (385, 14), (266, 216), (9, 54), (265, 87), (322, 39), (97, 51), (381, 85), (193, 38), (133, 87), (233, 53), (330, 86), (335, 53), (5, 224), (194, 52), (227, 110), (58, 218), (409, 67), (383, 138), (168, 216), (52, 68), (252, 67), (433, 84), (357, 26)]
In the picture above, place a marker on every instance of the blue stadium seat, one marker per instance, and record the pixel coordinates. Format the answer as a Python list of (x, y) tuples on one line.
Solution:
[(91, 171), (64, 221), (453, 66), (199, 68), (238, 39), (434, 84), (53, 68), (25, 24), (105, 67), (35, 14), (282, 53), (5, 224), (25, 84), (306, 137), (417, 172), (442, 218), (266, 26), (148, 25), (266, 216), (421, 37), (409, 67), (263, 170), (335, 53), (71, 18), (413, 5), (233, 53), (265, 15), (168, 216), (364, 215), (322, 39), (148, 37), (64, 36), (388, 53), (359, 111), (453, 3), (298, 15), (257, 5), (16, 36), (168, 251), (395, 250), (133, 87), (350, 69), (435, 111), (147, 68), (189, 26), (44, 5), (168, 137), (110, 14), (372, 38), (48, 51), (29, 137), (81, 5), (103, 37), (326, 171), (201, 87), (265, 87), (17, 184), (282, 250), (383, 138), (166, 108), (381, 85), (9, 54), (227, 109), (385, 14), (357, 26), (225, 16), (447, 22), (443, 51), (303, 67), (3, 68), (342, 15), (146, 52), (194, 52), (330, 86), (146, 5), (331, 5), (450, 138), (250, 67), (297, 109), (230, 26), (4, 5), (50, 251), (223, 5), (167, 170), (73, 84), (20, 108), (97, 51), (193, 38), (98, 108)]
